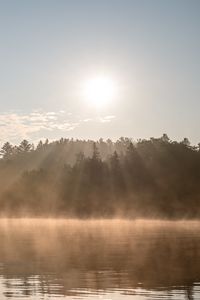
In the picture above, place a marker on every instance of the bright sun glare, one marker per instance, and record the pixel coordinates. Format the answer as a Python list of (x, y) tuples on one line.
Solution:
[(99, 91)]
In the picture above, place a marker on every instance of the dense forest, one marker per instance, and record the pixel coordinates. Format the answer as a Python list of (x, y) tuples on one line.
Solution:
[(155, 178)]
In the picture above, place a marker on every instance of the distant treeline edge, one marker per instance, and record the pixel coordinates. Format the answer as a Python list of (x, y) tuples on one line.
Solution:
[(154, 178)]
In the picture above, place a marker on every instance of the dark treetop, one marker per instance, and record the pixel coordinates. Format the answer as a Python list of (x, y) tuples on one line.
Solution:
[(156, 178)]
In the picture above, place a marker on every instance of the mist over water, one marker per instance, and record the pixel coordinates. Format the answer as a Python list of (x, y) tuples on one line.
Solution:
[(99, 259)]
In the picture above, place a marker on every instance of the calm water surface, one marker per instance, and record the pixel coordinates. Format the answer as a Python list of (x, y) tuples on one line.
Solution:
[(121, 260)]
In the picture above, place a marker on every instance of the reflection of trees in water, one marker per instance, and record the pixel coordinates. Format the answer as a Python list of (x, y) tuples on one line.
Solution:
[(60, 256), (189, 292), (47, 285)]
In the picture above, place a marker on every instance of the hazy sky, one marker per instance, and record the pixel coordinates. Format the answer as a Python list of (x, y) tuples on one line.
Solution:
[(150, 49)]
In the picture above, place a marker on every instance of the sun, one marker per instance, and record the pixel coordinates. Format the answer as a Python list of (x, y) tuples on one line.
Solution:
[(99, 91)]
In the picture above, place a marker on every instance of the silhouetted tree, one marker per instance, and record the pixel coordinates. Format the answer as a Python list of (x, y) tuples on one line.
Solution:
[(96, 154), (40, 145), (7, 150), (154, 177), (25, 146), (185, 142), (165, 138)]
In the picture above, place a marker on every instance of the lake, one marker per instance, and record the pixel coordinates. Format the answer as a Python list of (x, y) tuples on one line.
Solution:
[(99, 259)]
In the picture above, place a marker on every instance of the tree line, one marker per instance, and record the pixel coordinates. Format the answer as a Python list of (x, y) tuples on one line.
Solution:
[(154, 178)]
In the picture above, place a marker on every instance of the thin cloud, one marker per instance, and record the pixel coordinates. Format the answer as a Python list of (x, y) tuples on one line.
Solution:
[(15, 126), (106, 119)]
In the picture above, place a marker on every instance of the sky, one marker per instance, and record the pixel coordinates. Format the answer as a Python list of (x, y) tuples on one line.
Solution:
[(149, 49)]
